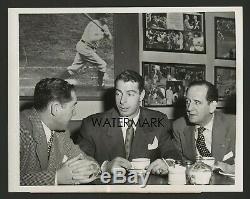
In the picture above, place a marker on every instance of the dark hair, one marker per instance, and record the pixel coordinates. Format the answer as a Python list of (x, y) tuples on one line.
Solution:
[(130, 75), (52, 89), (212, 92)]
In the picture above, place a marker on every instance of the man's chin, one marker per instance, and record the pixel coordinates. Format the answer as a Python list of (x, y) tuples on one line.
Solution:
[(192, 119)]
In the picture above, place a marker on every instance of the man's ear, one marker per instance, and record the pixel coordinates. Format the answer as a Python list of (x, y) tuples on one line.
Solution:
[(212, 106), (142, 95), (54, 108)]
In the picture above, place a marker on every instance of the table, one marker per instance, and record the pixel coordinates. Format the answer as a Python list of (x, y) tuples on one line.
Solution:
[(216, 179)]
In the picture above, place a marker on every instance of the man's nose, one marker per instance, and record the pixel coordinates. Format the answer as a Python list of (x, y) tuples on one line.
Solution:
[(123, 99), (190, 106)]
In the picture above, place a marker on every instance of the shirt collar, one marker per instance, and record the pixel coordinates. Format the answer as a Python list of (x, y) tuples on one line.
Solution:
[(209, 125), (47, 131), (135, 119)]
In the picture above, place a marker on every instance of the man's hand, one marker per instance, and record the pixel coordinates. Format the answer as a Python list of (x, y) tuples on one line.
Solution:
[(118, 162), (227, 168), (64, 175), (78, 170), (106, 32), (83, 169), (158, 167)]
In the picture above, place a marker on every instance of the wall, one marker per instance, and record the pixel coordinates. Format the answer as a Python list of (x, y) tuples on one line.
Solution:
[(126, 55), (186, 58), (129, 54)]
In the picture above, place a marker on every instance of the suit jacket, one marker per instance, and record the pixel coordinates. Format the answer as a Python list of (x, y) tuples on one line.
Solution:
[(106, 142), (223, 137), (36, 168)]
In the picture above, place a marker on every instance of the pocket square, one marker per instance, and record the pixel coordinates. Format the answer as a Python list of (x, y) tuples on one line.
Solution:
[(65, 158), (227, 156), (154, 145)]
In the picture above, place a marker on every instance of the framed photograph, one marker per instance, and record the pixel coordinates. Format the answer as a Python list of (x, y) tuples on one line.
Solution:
[(166, 83), (57, 45), (225, 81), (174, 32), (225, 41)]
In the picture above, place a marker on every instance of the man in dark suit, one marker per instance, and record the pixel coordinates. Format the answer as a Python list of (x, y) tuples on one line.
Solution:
[(105, 136), (47, 154), (217, 138)]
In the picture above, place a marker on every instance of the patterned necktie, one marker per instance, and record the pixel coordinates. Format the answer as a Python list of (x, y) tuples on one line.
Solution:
[(200, 143), (129, 138), (50, 142)]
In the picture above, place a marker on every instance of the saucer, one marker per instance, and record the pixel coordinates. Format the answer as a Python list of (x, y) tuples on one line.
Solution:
[(227, 174)]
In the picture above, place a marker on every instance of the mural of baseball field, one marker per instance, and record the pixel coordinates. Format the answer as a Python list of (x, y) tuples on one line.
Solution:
[(47, 46)]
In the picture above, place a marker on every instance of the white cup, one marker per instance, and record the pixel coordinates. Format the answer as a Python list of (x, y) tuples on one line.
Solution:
[(177, 175), (140, 163)]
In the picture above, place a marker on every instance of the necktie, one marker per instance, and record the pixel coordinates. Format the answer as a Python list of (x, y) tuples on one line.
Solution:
[(200, 143), (129, 138), (50, 141)]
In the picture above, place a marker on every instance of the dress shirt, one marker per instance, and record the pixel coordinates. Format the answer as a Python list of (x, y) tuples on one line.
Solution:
[(125, 126), (47, 132)]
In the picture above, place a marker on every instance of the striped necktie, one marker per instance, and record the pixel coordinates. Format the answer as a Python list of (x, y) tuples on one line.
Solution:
[(129, 138)]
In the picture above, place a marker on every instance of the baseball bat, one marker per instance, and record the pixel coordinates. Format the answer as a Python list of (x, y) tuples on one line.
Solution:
[(91, 19)]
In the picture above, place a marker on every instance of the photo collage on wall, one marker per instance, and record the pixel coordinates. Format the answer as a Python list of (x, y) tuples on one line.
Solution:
[(166, 83), (225, 40), (174, 32), (225, 81)]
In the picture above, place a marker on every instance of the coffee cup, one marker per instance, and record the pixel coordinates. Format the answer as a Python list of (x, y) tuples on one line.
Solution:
[(140, 163), (177, 175)]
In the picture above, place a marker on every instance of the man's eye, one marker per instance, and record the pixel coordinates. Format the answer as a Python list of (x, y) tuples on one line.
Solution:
[(131, 94), (117, 93), (197, 102)]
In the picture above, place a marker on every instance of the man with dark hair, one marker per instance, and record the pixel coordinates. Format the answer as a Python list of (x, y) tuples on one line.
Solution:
[(205, 132), (94, 32), (47, 154), (127, 131)]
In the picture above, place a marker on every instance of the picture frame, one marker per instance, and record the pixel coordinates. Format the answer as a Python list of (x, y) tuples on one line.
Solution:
[(166, 83), (174, 32), (225, 40), (48, 46), (225, 81)]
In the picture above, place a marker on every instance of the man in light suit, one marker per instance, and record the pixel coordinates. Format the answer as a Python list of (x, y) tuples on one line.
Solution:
[(47, 154), (104, 135), (218, 129)]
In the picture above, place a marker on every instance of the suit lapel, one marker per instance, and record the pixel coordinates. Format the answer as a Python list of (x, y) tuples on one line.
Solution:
[(56, 153), (143, 136), (218, 138), (190, 151), (115, 134), (40, 138)]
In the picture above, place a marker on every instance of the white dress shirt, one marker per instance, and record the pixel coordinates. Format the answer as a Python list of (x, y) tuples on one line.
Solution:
[(47, 132), (125, 126), (207, 134)]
